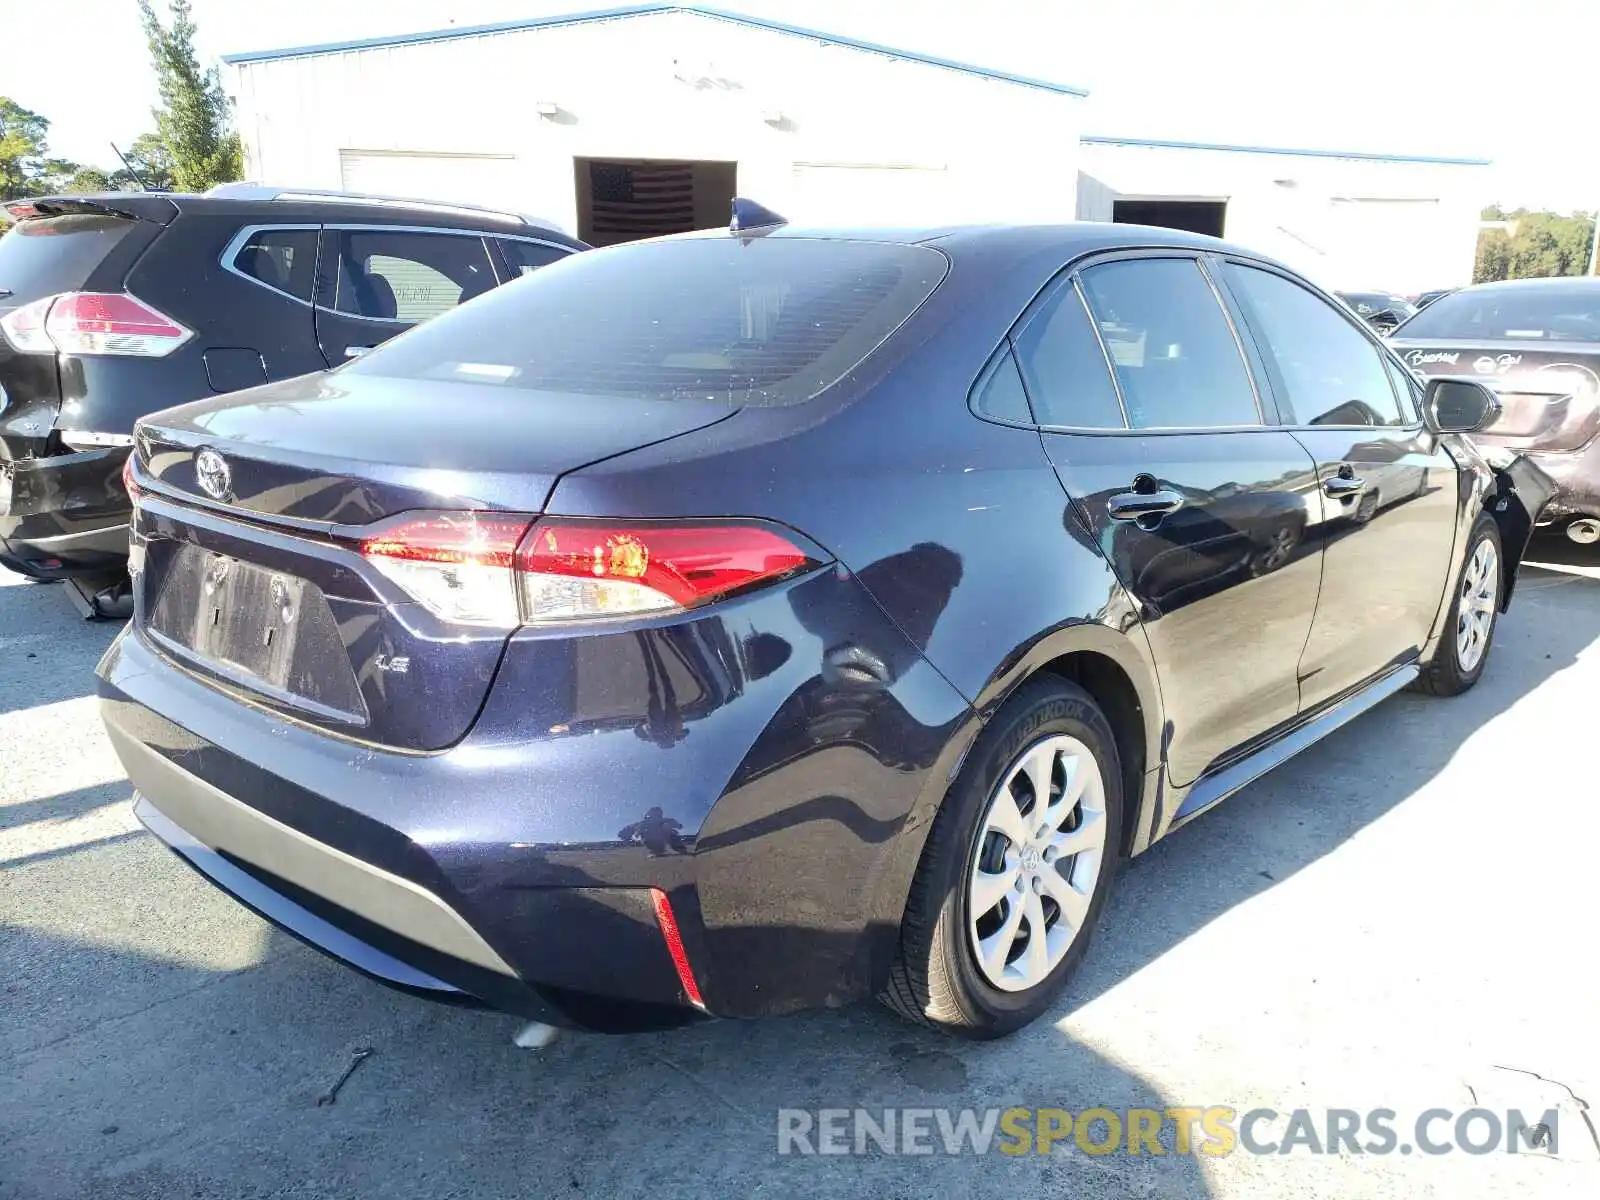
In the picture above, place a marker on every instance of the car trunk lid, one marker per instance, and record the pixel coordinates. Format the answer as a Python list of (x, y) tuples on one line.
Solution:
[(254, 508)]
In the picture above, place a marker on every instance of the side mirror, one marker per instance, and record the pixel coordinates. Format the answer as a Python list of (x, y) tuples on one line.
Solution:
[(1385, 320), (1459, 405)]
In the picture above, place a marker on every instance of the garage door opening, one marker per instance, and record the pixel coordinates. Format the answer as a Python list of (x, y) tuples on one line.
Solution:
[(1195, 216), (624, 199)]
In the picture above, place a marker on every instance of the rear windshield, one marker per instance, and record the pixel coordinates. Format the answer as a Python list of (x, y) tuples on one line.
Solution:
[(1559, 314), (758, 321), (46, 255)]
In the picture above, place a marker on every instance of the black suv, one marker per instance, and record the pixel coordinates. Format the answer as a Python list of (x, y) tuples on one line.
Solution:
[(115, 306)]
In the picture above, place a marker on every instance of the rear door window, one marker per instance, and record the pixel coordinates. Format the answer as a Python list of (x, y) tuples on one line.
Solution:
[(1065, 367), (284, 260), (1325, 370), (405, 276), (761, 321), (45, 255), (1176, 361)]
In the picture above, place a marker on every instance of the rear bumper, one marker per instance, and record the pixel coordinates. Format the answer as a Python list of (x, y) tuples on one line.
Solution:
[(1576, 476), (64, 515), (727, 760)]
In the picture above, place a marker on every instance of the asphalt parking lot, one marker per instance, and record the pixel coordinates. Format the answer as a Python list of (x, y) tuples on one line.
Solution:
[(1403, 917)]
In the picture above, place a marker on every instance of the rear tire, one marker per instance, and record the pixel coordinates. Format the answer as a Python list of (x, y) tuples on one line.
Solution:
[(1474, 612), (1033, 899)]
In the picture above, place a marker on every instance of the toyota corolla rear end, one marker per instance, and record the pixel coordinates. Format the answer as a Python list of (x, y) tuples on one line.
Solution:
[(547, 761)]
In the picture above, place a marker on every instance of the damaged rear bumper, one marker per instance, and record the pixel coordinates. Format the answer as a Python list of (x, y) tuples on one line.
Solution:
[(65, 515)]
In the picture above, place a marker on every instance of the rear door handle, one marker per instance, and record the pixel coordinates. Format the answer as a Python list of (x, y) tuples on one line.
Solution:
[(1131, 506), (1342, 487)]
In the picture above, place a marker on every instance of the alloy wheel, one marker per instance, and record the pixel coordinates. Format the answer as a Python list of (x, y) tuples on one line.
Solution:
[(1480, 590), (1040, 847)]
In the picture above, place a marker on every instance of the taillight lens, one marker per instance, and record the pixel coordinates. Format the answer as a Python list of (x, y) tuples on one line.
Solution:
[(24, 327), (128, 483), (491, 569), (581, 570), (459, 565), (112, 323)]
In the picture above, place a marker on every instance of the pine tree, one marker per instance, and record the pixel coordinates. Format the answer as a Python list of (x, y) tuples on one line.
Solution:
[(192, 122)]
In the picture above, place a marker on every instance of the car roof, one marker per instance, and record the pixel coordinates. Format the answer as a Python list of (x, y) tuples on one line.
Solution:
[(1554, 283), (274, 205), (1076, 238)]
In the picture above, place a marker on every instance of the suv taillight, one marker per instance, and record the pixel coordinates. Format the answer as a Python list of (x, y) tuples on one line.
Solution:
[(24, 327), (494, 569), (93, 323)]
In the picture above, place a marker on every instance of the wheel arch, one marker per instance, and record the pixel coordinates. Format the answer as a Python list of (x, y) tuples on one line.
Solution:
[(1115, 669)]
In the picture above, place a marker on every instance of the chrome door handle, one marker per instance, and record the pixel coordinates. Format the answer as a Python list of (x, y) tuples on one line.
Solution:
[(1131, 506), (1342, 487), (357, 351)]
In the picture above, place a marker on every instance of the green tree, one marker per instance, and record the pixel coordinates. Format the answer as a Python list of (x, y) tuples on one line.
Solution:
[(26, 168), (192, 122), (1494, 256), (150, 158)]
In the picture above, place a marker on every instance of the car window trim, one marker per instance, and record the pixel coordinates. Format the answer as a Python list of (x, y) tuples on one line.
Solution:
[(1131, 255), (240, 240), (368, 227), (1402, 404)]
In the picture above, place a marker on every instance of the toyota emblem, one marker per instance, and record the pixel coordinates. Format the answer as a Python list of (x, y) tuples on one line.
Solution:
[(212, 473)]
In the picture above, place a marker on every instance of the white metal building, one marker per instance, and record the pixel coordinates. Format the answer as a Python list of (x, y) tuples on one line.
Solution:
[(1349, 220), (648, 119)]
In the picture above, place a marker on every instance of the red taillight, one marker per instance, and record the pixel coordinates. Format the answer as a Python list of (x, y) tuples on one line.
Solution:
[(128, 483), (112, 323), (674, 940), (459, 565), (24, 327), (491, 569), (21, 210), (576, 570)]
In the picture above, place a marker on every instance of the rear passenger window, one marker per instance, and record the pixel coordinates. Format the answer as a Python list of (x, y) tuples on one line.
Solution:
[(392, 276), (527, 257), (1065, 367), (285, 260), (1328, 373), (1176, 361)]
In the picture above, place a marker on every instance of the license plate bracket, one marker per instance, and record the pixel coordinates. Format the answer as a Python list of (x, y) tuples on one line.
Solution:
[(244, 616)]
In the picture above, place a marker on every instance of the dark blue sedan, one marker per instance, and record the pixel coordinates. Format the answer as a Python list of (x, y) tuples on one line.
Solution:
[(764, 619)]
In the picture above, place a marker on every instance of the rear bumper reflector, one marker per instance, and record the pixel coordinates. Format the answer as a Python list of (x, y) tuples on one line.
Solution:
[(674, 940)]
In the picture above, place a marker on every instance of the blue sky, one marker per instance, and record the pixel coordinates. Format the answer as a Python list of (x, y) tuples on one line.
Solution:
[(1467, 78)]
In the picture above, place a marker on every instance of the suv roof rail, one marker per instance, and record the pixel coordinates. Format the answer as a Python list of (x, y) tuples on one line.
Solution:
[(261, 191)]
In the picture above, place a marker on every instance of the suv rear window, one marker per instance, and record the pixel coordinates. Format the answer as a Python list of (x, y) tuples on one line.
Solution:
[(1557, 312), (45, 255), (759, 321)]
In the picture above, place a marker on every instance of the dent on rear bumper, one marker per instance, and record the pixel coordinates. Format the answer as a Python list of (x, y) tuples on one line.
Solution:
[(66, 508), (757, 763)]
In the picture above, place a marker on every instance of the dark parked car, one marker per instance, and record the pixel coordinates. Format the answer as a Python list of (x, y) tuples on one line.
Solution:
[(115, 306), (741, 622), (1537, 343), (1382, 310)]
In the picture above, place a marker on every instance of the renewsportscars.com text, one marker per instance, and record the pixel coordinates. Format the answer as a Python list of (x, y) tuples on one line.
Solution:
[(1213, 1131)]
